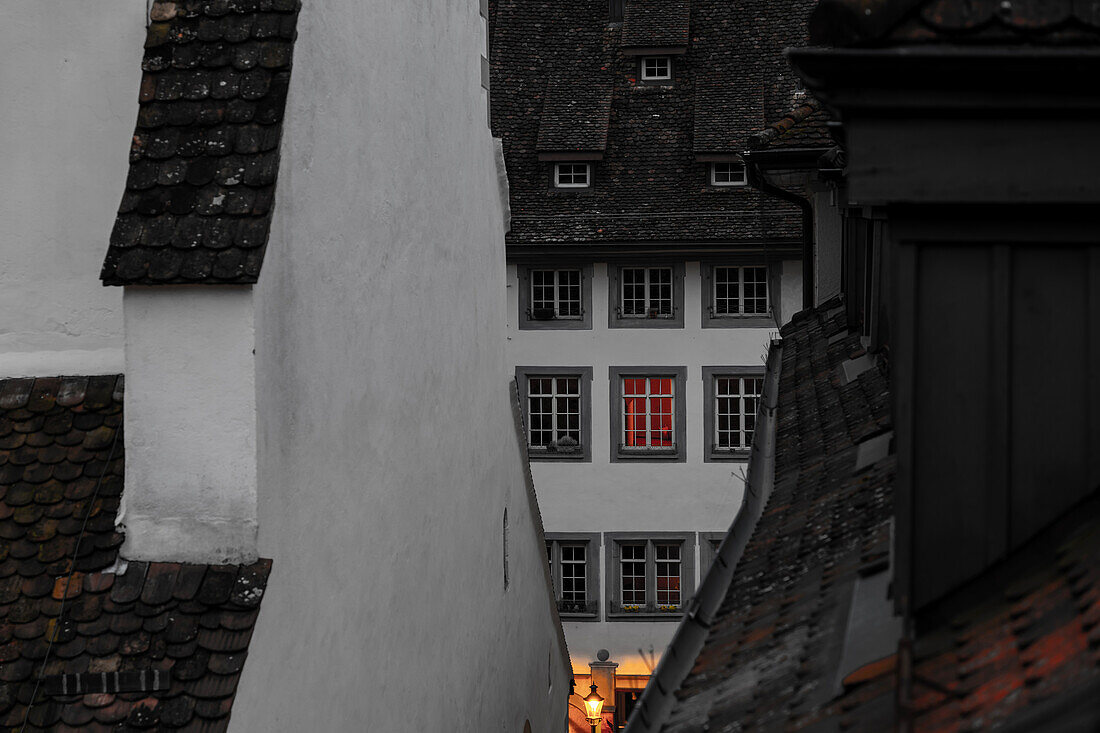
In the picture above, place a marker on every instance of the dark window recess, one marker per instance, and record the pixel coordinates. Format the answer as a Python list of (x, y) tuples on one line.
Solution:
[(625, 700)]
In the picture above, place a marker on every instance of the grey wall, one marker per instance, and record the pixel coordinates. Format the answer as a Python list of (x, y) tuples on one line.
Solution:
[(386, 444)]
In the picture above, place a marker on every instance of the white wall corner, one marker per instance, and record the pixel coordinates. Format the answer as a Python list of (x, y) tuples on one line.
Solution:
[(190, 424)]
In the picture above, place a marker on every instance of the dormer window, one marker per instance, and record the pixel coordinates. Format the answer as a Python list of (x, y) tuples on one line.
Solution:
[(728, 174), (656, 68), (572, 175)]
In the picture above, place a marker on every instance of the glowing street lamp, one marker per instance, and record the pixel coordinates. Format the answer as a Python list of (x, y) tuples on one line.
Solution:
[(593, 705)]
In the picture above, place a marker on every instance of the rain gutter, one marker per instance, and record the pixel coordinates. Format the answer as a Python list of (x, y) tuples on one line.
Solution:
[(655, 705)]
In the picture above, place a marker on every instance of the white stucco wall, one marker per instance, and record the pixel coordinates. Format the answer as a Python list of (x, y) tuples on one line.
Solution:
[(387, 450), (69, 75), (190, 420), (601, 496)]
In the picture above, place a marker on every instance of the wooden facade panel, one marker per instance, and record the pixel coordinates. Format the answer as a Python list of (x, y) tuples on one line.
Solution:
[(1050, 383), (951, 509)]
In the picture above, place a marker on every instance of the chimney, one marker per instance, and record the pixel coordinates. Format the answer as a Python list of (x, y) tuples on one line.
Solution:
[(190, 424)]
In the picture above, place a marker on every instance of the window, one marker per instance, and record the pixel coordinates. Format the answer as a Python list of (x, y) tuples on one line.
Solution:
[(556, 404), (709, 542), (652, 575), (737, 295), (555, 298), (728, 174), (647, 413), (648, 421), (572, 175), (646, 296), (656, 68), (574, 561), (740, 291), (733, 397)]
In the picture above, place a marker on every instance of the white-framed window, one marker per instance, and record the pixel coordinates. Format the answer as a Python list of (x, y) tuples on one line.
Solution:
[(557, 414), (648, 413), (632, 574), (739, 291), (554, 413), (736, 400), (728, 174), (574, 563), (555, 294), (651, 575), (572, 175), (646, 292), (656, 68), (668, 574)]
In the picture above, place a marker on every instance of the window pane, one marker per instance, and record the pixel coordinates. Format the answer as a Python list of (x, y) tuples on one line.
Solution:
[(668, 575), (632, 572), (573, 573)]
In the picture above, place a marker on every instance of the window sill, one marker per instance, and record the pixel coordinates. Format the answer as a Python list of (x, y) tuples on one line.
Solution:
[(755, 321), (573, 616), (544, 455), (675, 321), (646, 615), (648, 453), (740, 455)]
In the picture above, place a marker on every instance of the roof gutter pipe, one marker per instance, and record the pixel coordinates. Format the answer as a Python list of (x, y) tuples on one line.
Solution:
[(655, 705), (759, 181)]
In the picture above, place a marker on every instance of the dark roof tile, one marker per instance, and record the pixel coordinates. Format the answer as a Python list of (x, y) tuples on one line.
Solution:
[(202, 68), (656, 23)]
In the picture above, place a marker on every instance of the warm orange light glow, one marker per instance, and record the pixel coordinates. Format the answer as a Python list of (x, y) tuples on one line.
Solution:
[(593, 703)]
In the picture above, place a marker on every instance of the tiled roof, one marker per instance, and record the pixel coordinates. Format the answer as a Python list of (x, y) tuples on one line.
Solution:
[(805, 126), (69, 606), (656, 23), (575, 114), (771, 654), (889, 22), (1019, 644), (205, 154), (649, 186), (1007, 651)]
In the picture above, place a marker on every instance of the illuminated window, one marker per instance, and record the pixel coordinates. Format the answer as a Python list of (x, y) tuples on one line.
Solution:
[(572, 175), (656, 68), (648, 417), (728, 174), (648, 421), (574, 563)]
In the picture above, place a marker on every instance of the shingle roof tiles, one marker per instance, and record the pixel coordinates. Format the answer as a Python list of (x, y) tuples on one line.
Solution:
[(205, 153), (575, 114), (649, 185), (771, 652), (656, 23), (61, 468)]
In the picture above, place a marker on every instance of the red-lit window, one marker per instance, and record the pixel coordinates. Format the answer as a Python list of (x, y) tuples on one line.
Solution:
[(648, 412)]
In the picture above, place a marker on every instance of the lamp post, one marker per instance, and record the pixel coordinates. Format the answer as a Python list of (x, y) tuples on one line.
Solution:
[(593, 705)]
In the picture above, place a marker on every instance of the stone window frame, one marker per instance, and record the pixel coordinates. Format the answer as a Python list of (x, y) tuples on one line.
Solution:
[(710, 320), (593, 561), (614, 297), (711, 454), (528, 323), (612, 590), (584, 373), (707, 552), (679, 408)]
